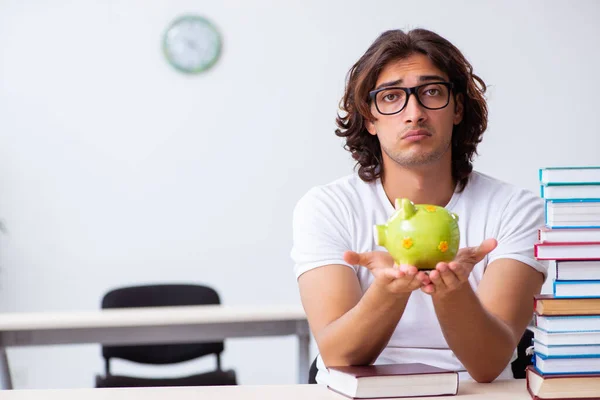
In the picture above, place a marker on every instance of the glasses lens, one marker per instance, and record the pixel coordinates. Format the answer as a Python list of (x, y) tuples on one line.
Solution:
[(390, 101), (434, 95)]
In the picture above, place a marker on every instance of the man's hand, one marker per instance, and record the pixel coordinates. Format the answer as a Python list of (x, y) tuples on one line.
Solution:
[(393, 278), (447, 277)]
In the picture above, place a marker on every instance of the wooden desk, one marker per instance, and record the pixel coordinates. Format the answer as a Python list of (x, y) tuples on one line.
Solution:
[(501, 390), (152, 326)]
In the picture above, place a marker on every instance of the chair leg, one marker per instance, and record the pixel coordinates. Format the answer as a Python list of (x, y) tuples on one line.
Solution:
[(106, 367), (218, 362)]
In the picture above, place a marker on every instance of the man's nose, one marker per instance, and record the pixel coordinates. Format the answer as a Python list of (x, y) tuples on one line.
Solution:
[(414, 112)]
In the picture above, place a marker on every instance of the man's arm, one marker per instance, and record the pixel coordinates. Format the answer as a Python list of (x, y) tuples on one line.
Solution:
[(351, 328), (483, 329)]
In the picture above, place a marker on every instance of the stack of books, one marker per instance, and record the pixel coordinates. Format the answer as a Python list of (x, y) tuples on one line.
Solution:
[(566, 344)]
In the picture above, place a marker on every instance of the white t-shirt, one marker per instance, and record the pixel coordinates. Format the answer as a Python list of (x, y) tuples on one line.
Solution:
[(340, 216)]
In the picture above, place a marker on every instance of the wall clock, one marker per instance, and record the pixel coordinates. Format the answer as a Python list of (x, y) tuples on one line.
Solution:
[(192, 44)]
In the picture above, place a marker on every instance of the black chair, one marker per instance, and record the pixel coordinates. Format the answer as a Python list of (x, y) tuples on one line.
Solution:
[(312, 372), (156, 296), (518, 366), (523, 359)]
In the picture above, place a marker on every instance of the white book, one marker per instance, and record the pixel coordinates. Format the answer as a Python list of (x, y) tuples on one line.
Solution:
[(565, 338), (570, 222), (586, 270), (567, 251), (568, 323), (569, 235), (569, 174)]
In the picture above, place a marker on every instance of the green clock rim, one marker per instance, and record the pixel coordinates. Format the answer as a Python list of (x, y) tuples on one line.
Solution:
[(210, 25)]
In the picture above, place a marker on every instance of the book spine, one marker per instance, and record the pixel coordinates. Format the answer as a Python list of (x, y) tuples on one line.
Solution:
[(592, 183)]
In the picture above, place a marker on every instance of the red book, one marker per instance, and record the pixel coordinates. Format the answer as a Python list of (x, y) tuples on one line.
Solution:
[(392, 381), (567, 250), (562, 386)]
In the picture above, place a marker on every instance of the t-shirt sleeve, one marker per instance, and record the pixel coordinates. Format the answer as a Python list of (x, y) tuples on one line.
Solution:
[(518, 232), (320, 232)]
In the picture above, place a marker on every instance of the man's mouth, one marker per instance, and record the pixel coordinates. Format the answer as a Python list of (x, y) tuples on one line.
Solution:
[(417, 134)]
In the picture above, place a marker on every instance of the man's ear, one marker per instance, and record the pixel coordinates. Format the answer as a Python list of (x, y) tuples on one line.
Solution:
[(371, 127), (458, 109)]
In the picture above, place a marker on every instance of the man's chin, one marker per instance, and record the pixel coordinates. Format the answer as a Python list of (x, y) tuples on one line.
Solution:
[(417, 160)]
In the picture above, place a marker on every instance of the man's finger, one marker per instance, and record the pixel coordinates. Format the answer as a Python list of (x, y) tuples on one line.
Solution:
[(429, 288), (476, 254), (423, 278), (408, 269), (393, 273), (447, 275), (436, 279), (388, 275), (370, 259)]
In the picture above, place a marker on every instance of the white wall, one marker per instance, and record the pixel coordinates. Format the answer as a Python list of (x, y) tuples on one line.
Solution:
[(115, 169)]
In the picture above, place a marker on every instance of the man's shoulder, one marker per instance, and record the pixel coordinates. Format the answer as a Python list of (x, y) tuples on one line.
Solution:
[(343, 196), (483, 182), (348, 187), (498, 191)]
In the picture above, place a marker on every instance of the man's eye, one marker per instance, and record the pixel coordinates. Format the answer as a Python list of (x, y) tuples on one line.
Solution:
[(432, 92)]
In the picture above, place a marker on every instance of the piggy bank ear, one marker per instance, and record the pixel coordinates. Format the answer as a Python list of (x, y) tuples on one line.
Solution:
[(455, 216), (406, 207)]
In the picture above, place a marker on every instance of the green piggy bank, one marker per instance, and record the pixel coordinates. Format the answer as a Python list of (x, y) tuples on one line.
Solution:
[(421, 235)]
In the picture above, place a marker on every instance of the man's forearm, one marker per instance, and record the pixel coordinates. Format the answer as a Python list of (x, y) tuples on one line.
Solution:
[(482, 342), (359, 336)]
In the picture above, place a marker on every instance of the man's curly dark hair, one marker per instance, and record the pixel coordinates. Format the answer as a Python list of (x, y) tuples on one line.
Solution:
[(395, 45)]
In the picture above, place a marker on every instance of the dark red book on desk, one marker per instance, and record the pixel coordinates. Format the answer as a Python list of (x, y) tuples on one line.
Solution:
[(392, 381)]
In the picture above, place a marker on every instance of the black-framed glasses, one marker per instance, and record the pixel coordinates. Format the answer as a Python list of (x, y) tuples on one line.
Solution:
[(431, 95)]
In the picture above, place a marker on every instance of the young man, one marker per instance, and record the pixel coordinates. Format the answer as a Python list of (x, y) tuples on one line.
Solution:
[(414, 113)]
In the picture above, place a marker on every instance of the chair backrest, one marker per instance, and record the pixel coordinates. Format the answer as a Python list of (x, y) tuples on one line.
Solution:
[(519, 365), (156, 296)]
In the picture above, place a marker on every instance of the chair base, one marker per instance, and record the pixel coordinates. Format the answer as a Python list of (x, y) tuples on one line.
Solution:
[(213, 378)]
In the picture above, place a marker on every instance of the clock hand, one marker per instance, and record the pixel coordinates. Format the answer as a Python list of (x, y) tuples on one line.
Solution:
[(191, 44)]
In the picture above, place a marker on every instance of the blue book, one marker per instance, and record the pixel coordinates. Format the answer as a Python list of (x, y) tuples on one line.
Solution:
[(561, 365), (577, 289), (571, 213), (568, 351), (583, 191), (569, 175)]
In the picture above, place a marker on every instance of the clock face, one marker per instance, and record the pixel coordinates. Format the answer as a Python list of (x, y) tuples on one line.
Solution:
[(192, 44)]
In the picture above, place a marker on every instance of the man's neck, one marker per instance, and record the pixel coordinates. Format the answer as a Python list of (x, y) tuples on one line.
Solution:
[(431, 184)]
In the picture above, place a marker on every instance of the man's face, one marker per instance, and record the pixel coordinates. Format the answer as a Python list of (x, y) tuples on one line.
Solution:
[(416, 135)]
